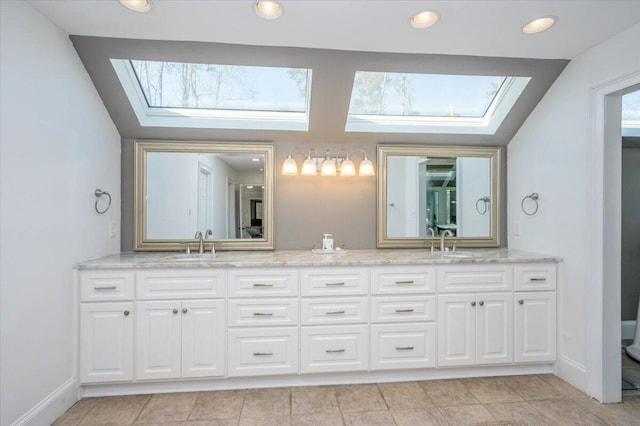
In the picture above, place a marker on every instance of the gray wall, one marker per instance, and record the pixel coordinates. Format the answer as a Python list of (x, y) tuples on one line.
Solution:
[(305, 207), (630, 227)]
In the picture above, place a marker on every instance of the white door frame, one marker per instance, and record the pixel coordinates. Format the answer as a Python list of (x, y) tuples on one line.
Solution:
[(603, 294)]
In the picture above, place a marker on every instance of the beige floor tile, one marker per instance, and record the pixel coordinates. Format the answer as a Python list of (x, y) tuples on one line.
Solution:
[(405, 395), (448, 392), (632, 404), (466, 414), (214, 422), (611, 414), (532, 388), (265, 421), (75, 414), (517, 411), (168, 407), (491, 390), (418, 416), (565, 411), (370, 418), (314, 399), (116, 410), (161, 424), (218, 405), (263, 403), (321, 419), (356, 398), (628, 362), (561, 386), (631, 374)]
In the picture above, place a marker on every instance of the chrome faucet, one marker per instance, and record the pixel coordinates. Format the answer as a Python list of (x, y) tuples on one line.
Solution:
[(432, 234), (200, 242), (442, 237)]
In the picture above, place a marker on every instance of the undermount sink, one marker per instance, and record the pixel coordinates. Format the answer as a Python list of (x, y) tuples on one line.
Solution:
[(455, 254), (191, 257)]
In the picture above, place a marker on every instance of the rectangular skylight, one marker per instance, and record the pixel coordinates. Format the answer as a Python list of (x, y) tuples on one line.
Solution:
[(431, 103), (181, 94)]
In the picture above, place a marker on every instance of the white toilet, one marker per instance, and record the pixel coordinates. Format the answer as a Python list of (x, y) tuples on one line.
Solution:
[(633, 350)]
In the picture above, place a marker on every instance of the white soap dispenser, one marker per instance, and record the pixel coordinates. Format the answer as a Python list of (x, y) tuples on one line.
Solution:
[(327, 242)]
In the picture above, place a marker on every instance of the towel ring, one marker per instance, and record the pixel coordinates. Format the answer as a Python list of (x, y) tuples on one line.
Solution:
[(534, 197), (99, 193), (486, 201)]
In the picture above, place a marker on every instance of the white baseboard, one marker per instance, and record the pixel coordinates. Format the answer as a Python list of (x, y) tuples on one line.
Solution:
[(628, 329), (572, 373), (53, 406)]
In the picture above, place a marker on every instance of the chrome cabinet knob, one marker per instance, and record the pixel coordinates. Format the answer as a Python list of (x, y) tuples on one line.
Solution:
[(481, 303), (184, 310), (126, 313), (175, 311), (520, 302), (473, 303)]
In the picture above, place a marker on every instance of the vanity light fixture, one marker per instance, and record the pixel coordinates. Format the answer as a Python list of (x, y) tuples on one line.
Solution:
[(142, 6), (328, 165), (539, 25), (424, 19), (268, 9)]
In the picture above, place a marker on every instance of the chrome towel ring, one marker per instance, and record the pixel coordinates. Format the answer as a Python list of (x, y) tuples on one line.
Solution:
[(486, 201), (99, 193), (534, 197)]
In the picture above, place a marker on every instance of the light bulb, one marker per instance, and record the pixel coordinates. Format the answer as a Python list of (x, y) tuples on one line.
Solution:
[(268, 9), (309, 167), (289, 167), (366, 167), (142, 6), (328, 167), (424, 19), (539, 25), (347, 168)]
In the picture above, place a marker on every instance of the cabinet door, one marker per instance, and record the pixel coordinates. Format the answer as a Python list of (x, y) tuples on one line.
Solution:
[(535, 333), (106, 342), (158, 341), (203, 338), (456, 329), (494, 328)]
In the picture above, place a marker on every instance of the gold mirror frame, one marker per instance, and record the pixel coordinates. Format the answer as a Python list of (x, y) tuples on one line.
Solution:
[(493, 153), (142, 147)]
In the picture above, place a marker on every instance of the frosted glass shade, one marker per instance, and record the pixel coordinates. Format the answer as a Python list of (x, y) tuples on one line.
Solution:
[(328, 168), (309, 168), (366, 168), (347, 168), (289, 167)]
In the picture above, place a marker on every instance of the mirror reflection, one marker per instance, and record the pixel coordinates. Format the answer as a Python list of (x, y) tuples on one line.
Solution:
[(223, 191), (424, 191)]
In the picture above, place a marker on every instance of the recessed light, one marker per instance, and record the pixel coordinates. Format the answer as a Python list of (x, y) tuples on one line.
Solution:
[(539, 25), (142, 6), (424, 19), (268, 9)]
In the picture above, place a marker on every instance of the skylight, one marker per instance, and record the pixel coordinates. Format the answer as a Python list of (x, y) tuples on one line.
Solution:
[(180, 94), (431, 103), (631, 114)]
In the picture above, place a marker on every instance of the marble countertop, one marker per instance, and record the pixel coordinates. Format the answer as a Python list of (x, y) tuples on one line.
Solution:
[(231, 259)]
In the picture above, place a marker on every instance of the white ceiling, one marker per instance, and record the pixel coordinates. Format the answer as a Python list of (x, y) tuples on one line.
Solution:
[(479, 28)]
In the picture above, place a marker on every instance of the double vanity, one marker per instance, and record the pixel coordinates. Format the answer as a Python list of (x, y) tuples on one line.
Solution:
[(159, 322)]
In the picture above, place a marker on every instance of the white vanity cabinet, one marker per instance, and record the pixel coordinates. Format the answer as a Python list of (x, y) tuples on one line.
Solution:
[(106, 326)]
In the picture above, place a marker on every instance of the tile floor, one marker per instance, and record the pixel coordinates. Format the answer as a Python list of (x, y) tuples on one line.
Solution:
[(517, 400), (630, 372)]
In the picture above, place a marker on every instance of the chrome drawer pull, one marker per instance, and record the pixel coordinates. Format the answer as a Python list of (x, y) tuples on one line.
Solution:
[(262, 285), (334, 313), (263, 314), (113, 287), (401, 311), (405, 282), (342, 283), (262, 353), (404, 348), (537, 279), (334, 351)]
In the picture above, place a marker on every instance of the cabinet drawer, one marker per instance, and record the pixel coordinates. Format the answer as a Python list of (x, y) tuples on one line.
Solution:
[(165, 284), (258, 352), (106, 286), (535, 277), (334, 348), (403, 281), (395, 346), (475, 278), (263, 282), (332, 310), (334, 281), (403, 309), (252, 312)]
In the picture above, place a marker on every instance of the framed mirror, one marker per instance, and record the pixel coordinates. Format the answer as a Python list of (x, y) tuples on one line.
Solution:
[(439, 188), (182, 188)]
